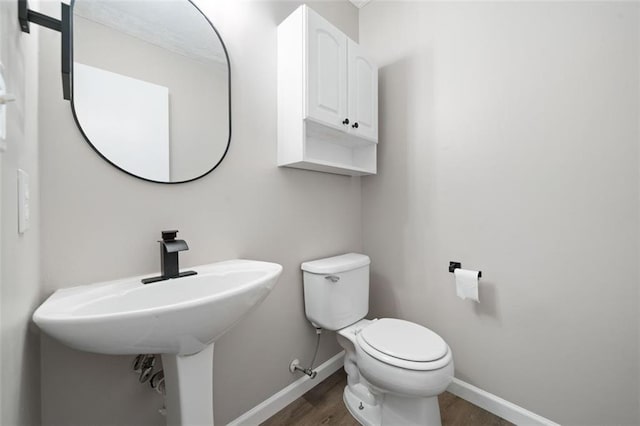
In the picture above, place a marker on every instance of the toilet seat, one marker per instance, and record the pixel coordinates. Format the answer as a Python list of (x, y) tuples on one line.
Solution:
[(404, 344)]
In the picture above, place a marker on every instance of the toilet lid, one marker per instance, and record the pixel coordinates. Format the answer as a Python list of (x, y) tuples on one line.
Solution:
[(404, 340)]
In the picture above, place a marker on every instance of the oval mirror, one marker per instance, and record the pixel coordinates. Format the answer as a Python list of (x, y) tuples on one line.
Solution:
[(151, 89)]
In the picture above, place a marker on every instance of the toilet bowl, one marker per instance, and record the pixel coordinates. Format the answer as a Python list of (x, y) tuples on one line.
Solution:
[(395, 369), (385, 389)]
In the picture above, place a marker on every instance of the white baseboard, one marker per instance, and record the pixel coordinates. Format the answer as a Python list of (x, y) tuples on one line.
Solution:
[(483, 399), (496, 405), (286, 396)]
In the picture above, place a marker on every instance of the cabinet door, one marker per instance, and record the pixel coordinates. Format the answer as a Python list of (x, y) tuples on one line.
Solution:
[(326, 72), (363, 94)]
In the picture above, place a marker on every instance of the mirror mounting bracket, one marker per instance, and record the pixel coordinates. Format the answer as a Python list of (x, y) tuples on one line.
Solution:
[(63, 26)]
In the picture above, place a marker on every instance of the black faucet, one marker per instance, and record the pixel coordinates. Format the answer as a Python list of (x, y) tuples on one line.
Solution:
[(169, 249)]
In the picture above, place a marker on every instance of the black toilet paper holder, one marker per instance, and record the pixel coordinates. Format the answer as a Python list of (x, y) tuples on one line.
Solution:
[(457, 265)]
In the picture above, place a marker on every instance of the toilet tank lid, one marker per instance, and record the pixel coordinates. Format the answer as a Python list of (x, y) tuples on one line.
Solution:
[(336, 264)]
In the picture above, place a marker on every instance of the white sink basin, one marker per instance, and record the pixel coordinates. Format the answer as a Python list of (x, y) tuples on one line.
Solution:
[(179, 316)]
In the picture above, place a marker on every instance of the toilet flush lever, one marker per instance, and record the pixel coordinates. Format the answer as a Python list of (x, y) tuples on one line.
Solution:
[(332, 278)]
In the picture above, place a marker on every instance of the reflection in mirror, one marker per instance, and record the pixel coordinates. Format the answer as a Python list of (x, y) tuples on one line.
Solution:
[(151, 87)]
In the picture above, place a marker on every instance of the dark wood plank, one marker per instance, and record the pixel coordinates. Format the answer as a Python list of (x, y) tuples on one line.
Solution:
[(323, 405)]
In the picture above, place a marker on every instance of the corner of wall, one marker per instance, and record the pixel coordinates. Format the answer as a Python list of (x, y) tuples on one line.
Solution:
[(20, 253)]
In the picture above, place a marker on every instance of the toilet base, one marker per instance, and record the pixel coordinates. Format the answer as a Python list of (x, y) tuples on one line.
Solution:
[(368, 415), (395, 410)]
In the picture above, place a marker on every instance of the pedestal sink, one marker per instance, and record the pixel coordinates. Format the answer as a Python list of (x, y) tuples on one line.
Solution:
[(180, 319)]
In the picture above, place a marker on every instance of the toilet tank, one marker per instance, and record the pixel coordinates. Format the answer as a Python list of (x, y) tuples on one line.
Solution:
[(336, 290)]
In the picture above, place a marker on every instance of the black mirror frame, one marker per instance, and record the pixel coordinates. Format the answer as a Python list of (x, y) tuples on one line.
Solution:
[(75, 117), (65, 27)]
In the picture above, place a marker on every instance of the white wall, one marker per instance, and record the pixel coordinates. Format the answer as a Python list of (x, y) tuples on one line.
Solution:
[(99, 223), (509, 142), (19, 257)]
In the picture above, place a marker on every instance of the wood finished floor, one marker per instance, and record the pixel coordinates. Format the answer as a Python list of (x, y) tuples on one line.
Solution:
[(323, 405)]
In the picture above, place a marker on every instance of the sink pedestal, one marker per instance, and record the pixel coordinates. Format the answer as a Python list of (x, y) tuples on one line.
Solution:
[(189, 387)]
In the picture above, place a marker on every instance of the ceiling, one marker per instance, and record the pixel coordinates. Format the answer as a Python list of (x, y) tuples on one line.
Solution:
[(175, 25), (359, 3)]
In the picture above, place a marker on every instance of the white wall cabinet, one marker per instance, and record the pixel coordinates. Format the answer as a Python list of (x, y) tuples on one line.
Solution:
[(363, 93), (327, 72), (327, 98)]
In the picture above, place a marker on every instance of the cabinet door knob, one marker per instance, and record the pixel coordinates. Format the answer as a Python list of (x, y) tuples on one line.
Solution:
[(355, 125), (345, 121)]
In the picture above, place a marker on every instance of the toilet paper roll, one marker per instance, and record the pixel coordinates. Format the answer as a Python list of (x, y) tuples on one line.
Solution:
[(467, 284)]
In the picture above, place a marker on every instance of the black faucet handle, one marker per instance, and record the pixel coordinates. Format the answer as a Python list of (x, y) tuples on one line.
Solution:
[(169, 235), (174, 246)]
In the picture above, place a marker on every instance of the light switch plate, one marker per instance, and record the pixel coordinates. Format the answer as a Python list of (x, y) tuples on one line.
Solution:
[(24, 208)]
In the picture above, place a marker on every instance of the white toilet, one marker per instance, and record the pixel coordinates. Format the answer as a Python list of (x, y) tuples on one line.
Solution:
[(396, 369)]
